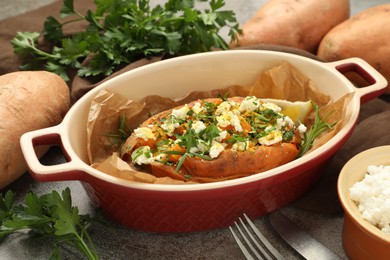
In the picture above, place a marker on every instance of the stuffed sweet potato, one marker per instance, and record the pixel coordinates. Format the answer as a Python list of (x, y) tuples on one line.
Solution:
[(214, 139)]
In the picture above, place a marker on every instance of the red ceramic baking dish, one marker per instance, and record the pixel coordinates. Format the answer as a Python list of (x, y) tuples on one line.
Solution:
[(184, 208)]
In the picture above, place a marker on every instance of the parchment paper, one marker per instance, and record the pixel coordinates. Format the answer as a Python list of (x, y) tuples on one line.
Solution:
[(280, 82)]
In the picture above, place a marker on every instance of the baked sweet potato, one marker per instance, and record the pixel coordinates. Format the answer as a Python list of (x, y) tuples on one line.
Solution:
[(364, 35), (214, 139), (30, 100), (300, 24)]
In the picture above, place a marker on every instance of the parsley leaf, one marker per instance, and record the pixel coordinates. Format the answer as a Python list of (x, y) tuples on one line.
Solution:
[(119, 32), (52, 215), (67, 8)]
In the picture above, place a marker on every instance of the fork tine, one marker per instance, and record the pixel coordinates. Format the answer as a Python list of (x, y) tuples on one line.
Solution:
[(267, 244), (265, 254), (255, 243), (241, 245), (249, 244)]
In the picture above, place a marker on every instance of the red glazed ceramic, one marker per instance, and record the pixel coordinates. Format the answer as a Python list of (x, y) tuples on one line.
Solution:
[(361, 239), (184, 208)]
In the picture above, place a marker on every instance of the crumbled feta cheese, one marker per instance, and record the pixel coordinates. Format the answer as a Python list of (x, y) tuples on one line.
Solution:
[(202, 146), (142, 155), (302, 129), (272, 138), (181, 113), (282, 122), (215, 149), (236, 111), (271, 106), (222, 136), (197, 108), (224, 107), (194, 149), (145, 133), (235, 121), (229, 118), (169, 127), (240, 146), (372, 196), (160, 157), (250, 103), (288, 121), (198, 126)]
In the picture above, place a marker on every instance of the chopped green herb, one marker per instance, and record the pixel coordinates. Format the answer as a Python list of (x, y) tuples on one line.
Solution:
[(209, 107), (142, 151), (210, 133), (236, 138), (224, 97), (288, 136)]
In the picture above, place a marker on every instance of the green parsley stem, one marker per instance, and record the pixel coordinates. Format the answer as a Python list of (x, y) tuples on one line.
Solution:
[(73, 21), (40, 52), (91, 255)]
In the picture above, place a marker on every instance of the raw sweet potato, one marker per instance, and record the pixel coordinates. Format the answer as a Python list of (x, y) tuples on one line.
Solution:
[(29, 100), (249, 134), (364, 35), (294, 23)]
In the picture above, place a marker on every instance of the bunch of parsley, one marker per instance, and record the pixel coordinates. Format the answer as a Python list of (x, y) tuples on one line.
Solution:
[(49, 215), (119, 32)]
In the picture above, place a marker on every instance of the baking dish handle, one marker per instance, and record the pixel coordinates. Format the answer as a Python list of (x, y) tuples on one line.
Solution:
[(70, 170), (376, 82)]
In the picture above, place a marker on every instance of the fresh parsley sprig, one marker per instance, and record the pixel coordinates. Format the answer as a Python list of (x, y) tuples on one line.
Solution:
[(319, 127), (51, 215), (119, 32)]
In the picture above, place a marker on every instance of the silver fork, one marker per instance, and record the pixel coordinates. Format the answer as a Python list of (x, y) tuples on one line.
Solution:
[(254, 241)]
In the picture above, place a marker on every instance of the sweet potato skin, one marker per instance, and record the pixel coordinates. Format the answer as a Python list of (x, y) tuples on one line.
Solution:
[(295, 23), (364, 35), (30, 100), (229, 164), (232, 163)]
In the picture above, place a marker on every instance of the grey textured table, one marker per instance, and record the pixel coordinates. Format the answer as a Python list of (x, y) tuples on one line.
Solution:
[(115, 242)]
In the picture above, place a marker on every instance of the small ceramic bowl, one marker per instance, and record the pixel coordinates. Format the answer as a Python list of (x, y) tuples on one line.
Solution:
[(361, 239), (184, 208)]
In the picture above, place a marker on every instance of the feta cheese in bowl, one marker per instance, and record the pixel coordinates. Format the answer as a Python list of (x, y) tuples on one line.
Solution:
[(372, 196), (363, 189)]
